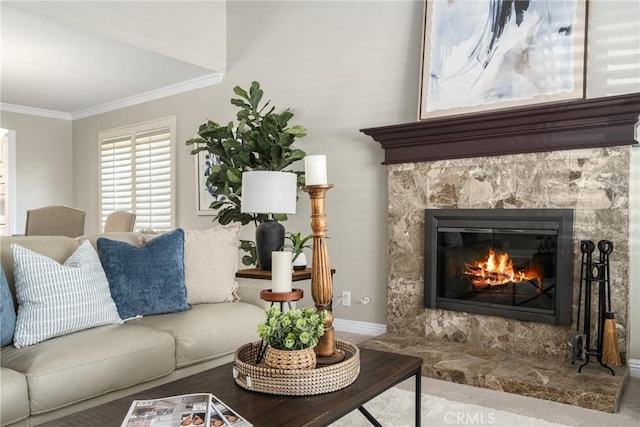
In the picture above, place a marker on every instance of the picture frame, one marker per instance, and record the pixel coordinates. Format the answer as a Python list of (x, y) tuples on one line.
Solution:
[(204, 194), (478, 55)]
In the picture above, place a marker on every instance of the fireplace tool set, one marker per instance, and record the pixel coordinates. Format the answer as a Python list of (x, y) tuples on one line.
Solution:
[(595, 282)]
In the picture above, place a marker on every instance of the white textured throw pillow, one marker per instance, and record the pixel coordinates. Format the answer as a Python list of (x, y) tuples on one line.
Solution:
[(55, 300), (210, 264)]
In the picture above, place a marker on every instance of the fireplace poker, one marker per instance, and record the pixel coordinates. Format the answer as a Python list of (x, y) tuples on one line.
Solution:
[(586, 247)]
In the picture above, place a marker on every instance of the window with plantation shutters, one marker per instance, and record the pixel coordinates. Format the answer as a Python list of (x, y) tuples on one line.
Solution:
[(136, 173), (613, 58)]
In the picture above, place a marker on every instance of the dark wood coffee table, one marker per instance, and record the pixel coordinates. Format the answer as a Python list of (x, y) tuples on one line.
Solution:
[(379, 371)]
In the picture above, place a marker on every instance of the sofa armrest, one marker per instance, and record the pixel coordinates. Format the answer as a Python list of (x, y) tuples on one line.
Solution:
[(249, 291)]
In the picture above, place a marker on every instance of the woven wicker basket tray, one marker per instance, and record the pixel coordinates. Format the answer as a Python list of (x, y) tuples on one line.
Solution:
[(300, 382)]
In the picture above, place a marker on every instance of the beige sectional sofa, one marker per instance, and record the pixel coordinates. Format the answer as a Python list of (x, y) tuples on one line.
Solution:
[(71, 372)]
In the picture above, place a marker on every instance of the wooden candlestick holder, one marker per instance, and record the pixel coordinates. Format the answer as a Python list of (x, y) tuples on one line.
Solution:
[(321, 279)]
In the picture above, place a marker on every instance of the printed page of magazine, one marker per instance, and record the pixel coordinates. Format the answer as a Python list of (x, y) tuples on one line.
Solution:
[(175, 411), (225, 416)]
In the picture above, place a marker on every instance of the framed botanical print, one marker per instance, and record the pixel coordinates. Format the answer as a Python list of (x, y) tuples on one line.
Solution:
[(487, 54), (206, 192)]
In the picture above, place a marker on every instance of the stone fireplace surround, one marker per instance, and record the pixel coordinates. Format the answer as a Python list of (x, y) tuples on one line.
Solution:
[(572, 155)]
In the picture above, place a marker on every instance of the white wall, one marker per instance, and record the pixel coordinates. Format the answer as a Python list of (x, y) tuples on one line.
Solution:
[(613, 68), (634, 262), (341, 66), (44, 163)]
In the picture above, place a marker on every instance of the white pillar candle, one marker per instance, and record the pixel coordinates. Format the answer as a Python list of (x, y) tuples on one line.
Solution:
[(315, 170), (281, 271)]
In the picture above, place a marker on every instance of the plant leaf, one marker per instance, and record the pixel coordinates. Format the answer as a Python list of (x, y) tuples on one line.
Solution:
[(297, 131), (240, 92), (240, 103), (255, 95)]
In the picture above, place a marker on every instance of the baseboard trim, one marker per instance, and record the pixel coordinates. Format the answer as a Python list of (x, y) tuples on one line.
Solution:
[(356, 327), (634, 368)]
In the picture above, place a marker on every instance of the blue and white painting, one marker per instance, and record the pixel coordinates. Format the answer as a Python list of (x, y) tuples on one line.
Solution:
[(206, 192), (480, 54)]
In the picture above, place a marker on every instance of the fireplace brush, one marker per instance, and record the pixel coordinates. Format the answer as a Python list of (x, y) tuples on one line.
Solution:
[(610, 352)]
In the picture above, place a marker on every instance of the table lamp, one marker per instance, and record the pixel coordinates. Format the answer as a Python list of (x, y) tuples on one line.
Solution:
[(268, 192)]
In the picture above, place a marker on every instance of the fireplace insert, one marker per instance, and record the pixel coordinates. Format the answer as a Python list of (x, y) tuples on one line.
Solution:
[(515, 263)]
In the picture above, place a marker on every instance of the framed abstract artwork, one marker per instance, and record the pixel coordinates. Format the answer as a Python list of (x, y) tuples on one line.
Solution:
[(488, 54), (206, 193)]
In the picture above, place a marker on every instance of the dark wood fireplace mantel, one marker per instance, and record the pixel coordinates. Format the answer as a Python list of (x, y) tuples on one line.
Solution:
[(599, 122)]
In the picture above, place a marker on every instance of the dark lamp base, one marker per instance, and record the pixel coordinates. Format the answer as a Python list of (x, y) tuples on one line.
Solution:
[(269, 238)]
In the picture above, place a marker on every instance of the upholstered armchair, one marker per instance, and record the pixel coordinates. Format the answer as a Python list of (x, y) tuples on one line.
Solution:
[(119, 221), (55, 221)]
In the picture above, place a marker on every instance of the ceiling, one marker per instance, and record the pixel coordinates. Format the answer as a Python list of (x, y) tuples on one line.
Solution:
[(76, 59)]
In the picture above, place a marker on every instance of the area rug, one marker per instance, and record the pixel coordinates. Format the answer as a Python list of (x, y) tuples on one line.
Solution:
[(395, 408)]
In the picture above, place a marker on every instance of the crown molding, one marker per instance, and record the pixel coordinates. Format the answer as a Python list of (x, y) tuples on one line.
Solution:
[(175, 89), (32, 111), (188, 85)]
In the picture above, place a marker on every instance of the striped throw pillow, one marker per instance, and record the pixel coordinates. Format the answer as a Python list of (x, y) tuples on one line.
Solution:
[(55, 300)]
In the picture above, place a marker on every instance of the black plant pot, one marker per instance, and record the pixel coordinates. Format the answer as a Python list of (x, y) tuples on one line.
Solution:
[(269, 238)]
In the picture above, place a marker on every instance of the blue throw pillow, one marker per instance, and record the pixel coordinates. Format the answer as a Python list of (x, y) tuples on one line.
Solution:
[(7, 311), (147, 280)]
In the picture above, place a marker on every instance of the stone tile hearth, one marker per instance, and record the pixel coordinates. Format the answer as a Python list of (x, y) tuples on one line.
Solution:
[(541, 376)]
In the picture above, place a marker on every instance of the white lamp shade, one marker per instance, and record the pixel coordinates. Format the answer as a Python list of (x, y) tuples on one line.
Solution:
[(269, 192)]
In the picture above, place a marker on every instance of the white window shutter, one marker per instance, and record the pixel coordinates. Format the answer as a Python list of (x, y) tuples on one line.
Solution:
[(137, 173), (153, 195)]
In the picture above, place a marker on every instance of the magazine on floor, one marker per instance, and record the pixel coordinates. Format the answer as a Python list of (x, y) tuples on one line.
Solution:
[(199, 409)]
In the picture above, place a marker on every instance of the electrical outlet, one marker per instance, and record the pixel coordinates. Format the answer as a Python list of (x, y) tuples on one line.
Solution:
[(346, 298)]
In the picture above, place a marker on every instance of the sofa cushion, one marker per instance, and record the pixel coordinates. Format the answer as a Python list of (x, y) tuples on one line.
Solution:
[(7, 311), (56, 299), (90, 363), (14, 396), (210, 264), (147, 280), (208, 331)]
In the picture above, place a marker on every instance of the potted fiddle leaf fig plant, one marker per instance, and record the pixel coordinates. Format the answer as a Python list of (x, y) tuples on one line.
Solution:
[(297, 245), (262, 140)]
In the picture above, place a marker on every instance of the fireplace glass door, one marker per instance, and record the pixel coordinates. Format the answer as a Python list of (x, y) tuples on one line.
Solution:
[(507, 267), (514, 263)]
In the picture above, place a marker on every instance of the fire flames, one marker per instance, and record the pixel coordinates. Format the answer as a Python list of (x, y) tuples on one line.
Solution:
[(498, 270)]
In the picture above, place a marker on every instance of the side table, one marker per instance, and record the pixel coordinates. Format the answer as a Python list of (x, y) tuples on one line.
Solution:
[(256, 273)]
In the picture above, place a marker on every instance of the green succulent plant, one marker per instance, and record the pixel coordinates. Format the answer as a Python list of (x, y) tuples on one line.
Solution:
[(298, 243), (292, 330)]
